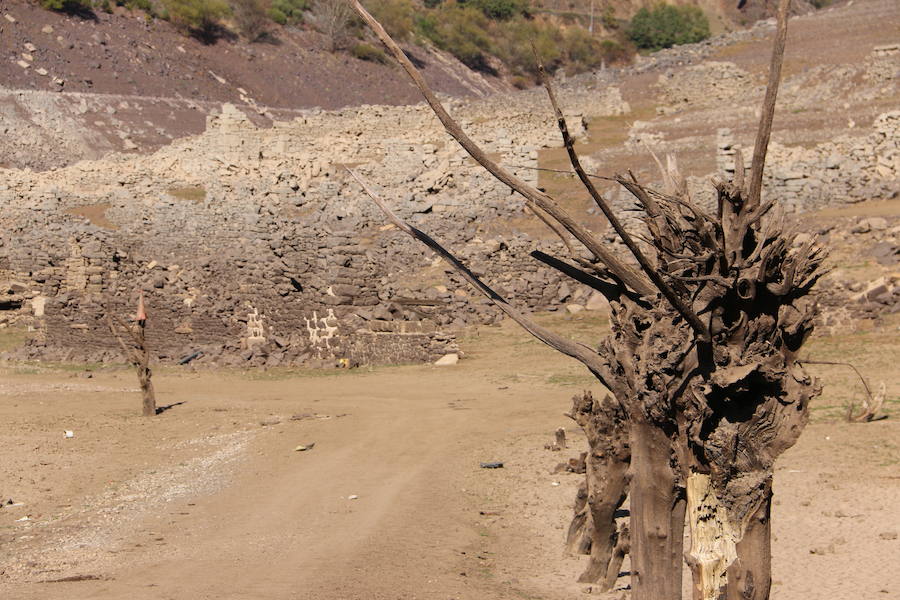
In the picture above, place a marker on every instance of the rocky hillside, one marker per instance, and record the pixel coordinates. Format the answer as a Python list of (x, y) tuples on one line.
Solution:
[(125, 53), (76, 87), (252, 243)]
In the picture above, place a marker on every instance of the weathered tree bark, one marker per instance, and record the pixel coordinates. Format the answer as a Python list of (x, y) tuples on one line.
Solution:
[(606, 483), (623, 547), (142, 362), (657, 516), (137, 353), (579, 536), (750, 575), (561, 439)]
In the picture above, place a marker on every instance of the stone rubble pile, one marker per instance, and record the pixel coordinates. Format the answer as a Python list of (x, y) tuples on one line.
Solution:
[(822, 86), (254, 245), (708, 84), (850, 168), (845, 300)]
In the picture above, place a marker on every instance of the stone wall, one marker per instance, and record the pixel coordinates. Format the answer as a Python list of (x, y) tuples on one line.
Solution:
[(851, 168), (254, 244)]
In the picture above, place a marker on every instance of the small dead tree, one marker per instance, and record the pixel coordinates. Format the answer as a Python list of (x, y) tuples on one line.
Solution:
[(871, 405), (334, 19), (251, 19), (136, 352), (702, 360)]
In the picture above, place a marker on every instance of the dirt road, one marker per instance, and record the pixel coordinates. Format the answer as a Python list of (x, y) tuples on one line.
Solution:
[(282, 524)]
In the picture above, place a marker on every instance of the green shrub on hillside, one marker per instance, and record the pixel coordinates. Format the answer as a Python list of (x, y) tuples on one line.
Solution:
[(286, 12), (518, 40), (202, 17), (397, 16), (251, 18), (581, 48), (337, 22), (614, 52), (364, 51), (64, 5), (501, 10), (144, 5), (460, 30), (665, 26), (572, 49), (467, 33)]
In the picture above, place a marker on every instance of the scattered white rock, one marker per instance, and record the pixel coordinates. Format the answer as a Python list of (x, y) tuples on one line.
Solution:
[(573, 308), (596, 301), (876, 223), (447, 360)]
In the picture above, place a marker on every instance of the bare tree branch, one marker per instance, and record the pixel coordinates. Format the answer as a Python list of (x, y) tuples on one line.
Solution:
[(579, 352), (649, 269), (554, 227), (609, 290), (129, 354), (629, 276), (768, 109), (563, 172)]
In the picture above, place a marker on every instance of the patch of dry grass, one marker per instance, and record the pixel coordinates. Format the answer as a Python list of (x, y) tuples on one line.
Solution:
[(188, 193)]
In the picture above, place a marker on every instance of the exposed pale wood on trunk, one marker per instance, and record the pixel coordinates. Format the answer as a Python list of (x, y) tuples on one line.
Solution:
[(713, 537)]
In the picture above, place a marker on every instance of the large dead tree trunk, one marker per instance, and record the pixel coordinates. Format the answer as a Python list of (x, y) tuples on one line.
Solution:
[(702, 356), (750, 575), (657, 516)]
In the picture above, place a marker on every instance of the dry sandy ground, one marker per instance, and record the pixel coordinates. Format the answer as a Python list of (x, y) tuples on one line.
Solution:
[(207, 501)]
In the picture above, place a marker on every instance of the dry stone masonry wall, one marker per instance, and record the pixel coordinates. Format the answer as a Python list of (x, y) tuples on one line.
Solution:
[(253, 244), (852, 168)]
